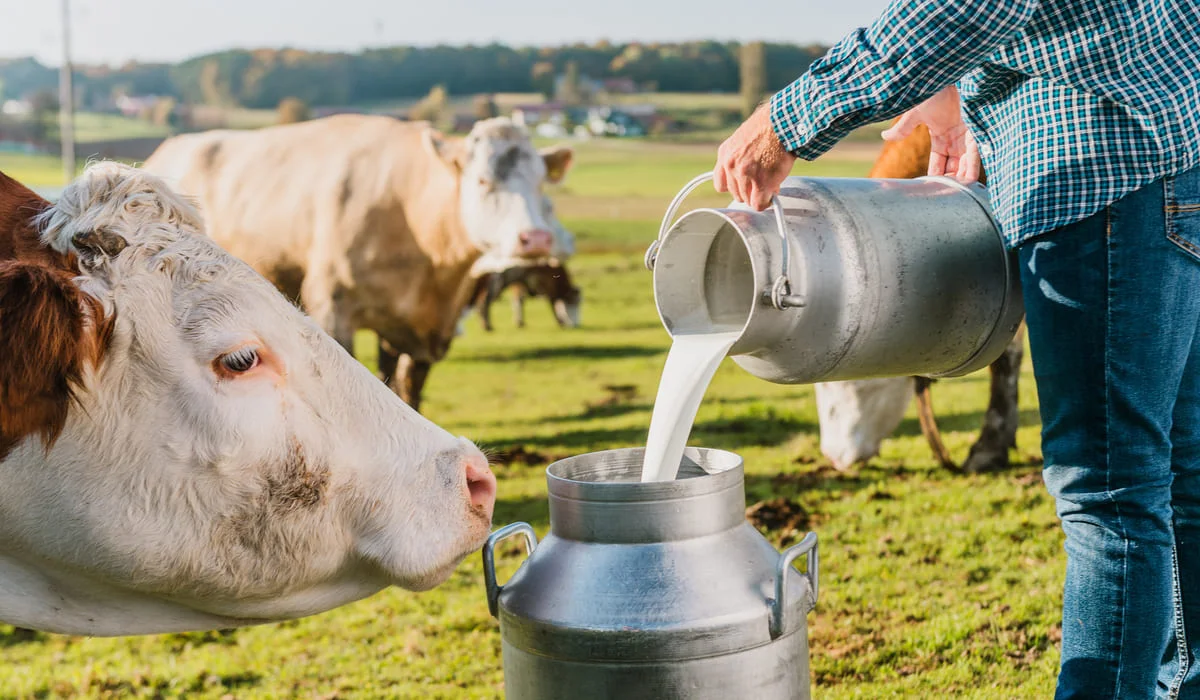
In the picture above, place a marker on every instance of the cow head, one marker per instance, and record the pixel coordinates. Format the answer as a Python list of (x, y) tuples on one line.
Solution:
[(180, 448), (500, 186)]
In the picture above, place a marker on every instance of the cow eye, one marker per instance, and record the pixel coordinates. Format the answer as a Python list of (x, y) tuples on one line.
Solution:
[(240, 361)]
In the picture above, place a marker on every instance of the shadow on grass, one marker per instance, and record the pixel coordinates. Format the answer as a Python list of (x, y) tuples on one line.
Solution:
[(961, 422), (16, 636), (570, 352), (757, 428), (534, 510)]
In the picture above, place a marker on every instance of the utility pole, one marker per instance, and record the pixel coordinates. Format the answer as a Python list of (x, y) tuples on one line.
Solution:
[(66, 99)]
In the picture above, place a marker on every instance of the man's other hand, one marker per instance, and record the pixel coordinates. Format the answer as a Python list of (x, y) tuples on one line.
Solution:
[(952, 149)]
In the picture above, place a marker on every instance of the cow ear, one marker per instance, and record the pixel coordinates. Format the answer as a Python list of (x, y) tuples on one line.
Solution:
[(91, 246), (448, 152), (558, 160), (47, 338)]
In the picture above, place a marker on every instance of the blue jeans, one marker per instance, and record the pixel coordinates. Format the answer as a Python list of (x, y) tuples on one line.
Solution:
[(1113, 310)]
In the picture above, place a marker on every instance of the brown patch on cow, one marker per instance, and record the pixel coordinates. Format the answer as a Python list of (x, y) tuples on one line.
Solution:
[(298, 484), (907, 158), (210, 156), (50, 331), (260, 525), (507, 162)]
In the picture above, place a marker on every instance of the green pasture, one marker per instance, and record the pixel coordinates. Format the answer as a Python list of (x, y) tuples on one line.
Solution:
[(933, 584)]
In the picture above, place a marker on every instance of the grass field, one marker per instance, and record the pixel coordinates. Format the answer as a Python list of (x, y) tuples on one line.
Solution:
[(933, 584)]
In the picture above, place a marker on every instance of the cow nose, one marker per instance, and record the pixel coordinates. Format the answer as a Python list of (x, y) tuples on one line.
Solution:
[(481, 484), (536, 243)]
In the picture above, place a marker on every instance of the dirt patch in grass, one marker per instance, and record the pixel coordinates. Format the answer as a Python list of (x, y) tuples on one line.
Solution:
[(779, 515)]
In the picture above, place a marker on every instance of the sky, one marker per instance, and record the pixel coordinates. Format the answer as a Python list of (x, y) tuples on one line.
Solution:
[(115, 31)]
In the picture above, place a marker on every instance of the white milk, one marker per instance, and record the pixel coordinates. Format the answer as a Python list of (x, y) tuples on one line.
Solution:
[(691, 364)]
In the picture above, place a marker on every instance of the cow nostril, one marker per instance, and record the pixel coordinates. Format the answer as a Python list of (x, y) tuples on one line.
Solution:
[(481, 485)]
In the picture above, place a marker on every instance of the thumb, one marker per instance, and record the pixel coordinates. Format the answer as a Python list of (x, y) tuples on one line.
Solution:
[(903, 126)]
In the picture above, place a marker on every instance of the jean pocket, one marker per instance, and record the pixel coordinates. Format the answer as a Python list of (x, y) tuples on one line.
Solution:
[(1182, 211)]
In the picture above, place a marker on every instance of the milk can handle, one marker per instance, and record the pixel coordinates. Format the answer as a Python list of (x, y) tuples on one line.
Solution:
[(489, 559), (779, 606), (781, 290)]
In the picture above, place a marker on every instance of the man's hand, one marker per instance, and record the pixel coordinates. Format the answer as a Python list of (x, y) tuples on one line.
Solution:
[(752, 164), (952, 149)]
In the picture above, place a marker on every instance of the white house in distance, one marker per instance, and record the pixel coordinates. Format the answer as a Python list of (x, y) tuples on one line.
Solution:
[(552, 119)]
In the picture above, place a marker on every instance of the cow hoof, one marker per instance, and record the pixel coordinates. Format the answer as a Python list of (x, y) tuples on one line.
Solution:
[(984, 461)]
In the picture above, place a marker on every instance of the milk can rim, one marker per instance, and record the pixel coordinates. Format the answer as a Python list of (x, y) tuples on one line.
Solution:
[(634, 491), (761, 276)]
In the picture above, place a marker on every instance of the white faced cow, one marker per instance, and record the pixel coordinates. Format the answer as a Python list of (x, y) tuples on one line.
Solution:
[(181, 448), (371, 222)]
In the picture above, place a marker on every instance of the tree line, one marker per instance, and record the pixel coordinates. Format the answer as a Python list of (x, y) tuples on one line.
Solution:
[(262, 78)]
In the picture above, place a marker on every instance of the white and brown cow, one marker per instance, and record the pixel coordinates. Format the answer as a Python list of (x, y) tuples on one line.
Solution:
[(181, 448), (371, 222)]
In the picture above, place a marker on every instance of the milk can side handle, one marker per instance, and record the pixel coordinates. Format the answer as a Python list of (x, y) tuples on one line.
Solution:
[(779, 606), (489, 559)]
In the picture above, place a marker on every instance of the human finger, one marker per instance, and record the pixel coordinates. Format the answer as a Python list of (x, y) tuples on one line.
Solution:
[(903, 126)]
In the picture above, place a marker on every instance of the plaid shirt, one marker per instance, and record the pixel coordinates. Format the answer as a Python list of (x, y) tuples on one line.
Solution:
[(1074, 103)]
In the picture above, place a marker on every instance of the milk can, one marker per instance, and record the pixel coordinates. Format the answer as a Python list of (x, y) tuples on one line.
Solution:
[(652, 591), (844, 278)]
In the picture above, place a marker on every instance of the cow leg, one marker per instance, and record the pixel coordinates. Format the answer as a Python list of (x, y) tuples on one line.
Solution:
[(389, 358), (482, 300), (999, 433), (330, 309), (559, 307), (410, 381), (518, 305)]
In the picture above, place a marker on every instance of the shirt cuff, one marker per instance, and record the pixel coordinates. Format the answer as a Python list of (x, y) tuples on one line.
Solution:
[(793, 124)]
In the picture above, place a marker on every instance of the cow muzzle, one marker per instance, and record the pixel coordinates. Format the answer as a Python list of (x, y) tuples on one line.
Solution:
[(535, 243)]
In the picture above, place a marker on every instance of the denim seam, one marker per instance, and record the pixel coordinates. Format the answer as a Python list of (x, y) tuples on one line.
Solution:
[(1181, 242), (1181, 644), (1170, 208), (1108, 263)]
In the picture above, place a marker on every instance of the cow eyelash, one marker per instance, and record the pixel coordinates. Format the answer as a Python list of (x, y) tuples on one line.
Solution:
[(239, 361)]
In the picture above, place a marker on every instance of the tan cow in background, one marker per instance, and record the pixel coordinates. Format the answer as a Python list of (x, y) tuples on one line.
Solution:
[(371, 222), (856, 416)]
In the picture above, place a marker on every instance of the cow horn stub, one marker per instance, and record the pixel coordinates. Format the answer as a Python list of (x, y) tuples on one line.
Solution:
[(97, 243)]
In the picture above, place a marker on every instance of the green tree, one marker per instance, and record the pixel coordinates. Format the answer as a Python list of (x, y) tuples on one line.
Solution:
[(570, 91), (434, 107), (163, 112), (485, 107), (292, 110), (752, 65)]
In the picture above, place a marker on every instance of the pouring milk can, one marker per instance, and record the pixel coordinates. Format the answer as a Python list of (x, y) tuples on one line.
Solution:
[(652, 591), (843, 278)]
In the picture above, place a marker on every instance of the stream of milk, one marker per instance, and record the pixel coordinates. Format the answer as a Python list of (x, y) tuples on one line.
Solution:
[(691, 364)]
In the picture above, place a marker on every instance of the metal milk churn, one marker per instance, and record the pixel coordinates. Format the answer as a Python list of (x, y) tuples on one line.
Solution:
[(652, 591), (844, 278)]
